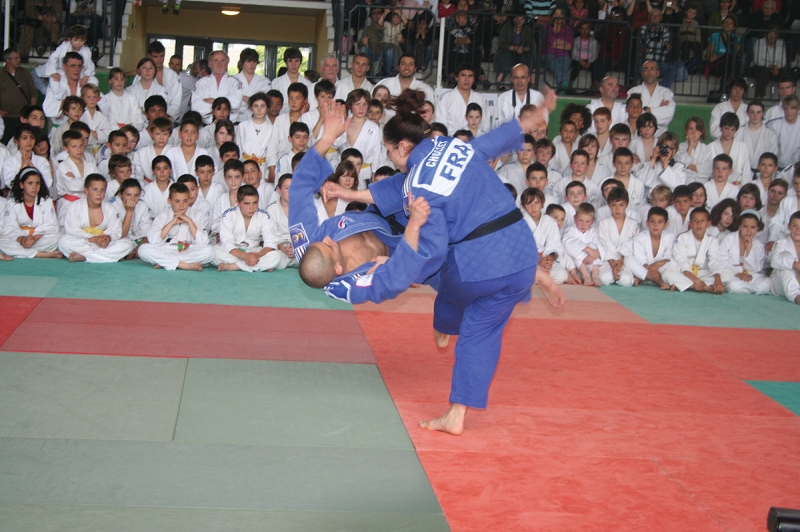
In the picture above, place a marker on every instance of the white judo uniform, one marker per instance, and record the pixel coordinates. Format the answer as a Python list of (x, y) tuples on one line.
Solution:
[(594, 194), (155, 199), (548, 241), (788, 136), (13, 164), (121, 110), (17, 223), (785, 280), (253, 140), (702, 258), (99, 124), (78, 231), (259, 234), (257, 84), (509, 104), (514, 175), (700, 157), (759, 141), (740, 154), (370, 143), (575, 242), (180, 165), (165, 251), (671, 176), (200, 213), (713, 196), (752, 263), (677, 224), (616, 245), (228, 87), (281, 84), (345, 86), (664, 113), (69, 183), (452, 110), (722, 108), (779, 225), (641, 254), (140, 223)]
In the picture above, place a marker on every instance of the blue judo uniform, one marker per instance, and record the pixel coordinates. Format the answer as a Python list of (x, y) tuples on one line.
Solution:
[(482, 279), (390, 279)]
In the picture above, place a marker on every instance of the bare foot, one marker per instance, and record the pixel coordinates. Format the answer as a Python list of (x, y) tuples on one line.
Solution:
[(635, 281), (225, 267), (665, 286), (76, 257), (156, 267), (442, 340), (191, 266), (50, 255), (452, 422), (5, 257)]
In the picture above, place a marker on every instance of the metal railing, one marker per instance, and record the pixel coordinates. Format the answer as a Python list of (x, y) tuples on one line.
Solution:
[(611, 47), (37, 27)]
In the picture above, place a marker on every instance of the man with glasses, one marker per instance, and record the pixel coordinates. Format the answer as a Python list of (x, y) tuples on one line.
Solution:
[(511, 102), (68, 84), (656, 100)]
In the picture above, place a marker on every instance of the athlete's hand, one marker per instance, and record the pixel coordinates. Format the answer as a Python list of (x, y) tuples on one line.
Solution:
[(419, 210)]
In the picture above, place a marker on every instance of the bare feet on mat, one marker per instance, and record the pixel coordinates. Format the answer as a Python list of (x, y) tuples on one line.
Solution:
[(223, 267), (451, 423), (442, 340), (191, 266), (76, 257)]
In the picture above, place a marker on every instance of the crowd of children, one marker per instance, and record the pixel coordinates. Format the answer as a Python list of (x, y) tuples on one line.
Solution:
[(114, 178)]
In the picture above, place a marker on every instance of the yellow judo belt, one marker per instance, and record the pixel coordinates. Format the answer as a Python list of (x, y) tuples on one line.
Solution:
[(252, 157)]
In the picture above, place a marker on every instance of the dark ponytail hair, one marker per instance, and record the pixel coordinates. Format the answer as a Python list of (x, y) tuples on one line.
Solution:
[(407, 124)]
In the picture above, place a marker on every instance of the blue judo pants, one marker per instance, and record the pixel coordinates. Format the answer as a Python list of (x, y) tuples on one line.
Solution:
[(477, 312)]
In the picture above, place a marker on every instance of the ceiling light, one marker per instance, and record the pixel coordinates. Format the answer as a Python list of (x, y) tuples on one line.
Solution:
[(230, 10)]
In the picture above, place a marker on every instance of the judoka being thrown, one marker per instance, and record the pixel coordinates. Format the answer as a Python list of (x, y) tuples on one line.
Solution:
[(474, 249)]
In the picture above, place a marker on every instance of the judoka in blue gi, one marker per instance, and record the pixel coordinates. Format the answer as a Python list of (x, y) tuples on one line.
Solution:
[(475, 248)]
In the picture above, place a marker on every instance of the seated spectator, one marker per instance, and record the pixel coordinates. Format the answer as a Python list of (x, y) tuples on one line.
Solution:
[(722, 53), (584, 51), (655, 41), (725, 10), (613, 37), (769, 60)]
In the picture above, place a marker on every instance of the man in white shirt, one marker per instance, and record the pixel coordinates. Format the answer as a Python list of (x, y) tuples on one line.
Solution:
[(452, 108), (218, 84), (405, 79), (656, 100), (198, 69), (511, 102), (786, 87), (357, 80), (609, 90), (293, 57), (787, 130), (68, 84), (734, 104), (329, 68)]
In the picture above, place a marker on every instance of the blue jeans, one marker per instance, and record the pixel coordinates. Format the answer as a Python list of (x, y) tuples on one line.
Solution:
[(559, 66), (390, 55)]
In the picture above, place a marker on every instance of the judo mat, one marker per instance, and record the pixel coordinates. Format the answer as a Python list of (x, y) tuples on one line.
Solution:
[(138, 399)]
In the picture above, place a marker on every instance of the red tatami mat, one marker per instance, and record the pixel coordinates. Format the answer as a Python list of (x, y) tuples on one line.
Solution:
[(192, 331), (751, 354), (580, 417), (13, 311)]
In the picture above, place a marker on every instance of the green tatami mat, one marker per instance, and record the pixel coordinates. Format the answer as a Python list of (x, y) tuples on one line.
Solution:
[(89, 397), (288, 403), (785, 393), (58, 518), (26, 285), (116, 473), (136, 281), (707, 310)]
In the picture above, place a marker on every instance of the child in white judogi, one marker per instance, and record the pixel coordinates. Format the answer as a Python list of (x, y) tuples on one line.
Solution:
[(680, 210), (25, 139), (120, 107), (651, 251), (93, 232), (245, 237), (720, 187), (614, 234), (98, 123), (745, 257), (234, 176), (159, 131), (514, 172), (545, 233), (785, 261), (199, 209), (132, 212), (537, 177), (208, 189), (623, 162), (175, 241), (71, 172), (156, 194), (778, 226), (183, 157), (578, 165), (697, 257), (581, 242), (253, 135), (29, 222), (279, 212), (253, 177), (563, 147), (605, 211)]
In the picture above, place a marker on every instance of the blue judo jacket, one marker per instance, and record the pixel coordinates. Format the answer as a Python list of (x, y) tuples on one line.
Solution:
[(389, 280)]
